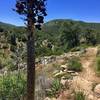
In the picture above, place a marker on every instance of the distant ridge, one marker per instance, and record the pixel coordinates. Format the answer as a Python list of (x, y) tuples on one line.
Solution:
[(54, 25)]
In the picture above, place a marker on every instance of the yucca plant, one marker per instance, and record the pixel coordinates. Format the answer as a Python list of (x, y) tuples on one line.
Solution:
[(79, 96), (55, 89)]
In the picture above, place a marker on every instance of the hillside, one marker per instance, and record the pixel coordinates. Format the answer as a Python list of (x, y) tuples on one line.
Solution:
[(53, 26), (58, 23), (82, 82), (67, 61), (52, 39)]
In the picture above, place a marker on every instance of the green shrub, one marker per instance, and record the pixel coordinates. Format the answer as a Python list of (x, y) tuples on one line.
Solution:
[(98, 66), (98, 52), (75, 65), (55, 88), (12, 86), (7, 62), (58, 51), (10, 66), (68, 76), (79, 96)]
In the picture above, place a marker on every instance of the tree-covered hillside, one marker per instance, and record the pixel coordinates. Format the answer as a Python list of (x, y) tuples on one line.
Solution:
[(63, 35), (57, 36)]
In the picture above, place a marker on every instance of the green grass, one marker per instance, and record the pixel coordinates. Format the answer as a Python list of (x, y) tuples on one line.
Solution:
[(79, 96), (56, 87), (75, 65), (98, 66), (12, 86)]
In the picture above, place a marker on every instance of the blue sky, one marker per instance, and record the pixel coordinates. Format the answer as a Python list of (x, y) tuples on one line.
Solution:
[(84, 10)]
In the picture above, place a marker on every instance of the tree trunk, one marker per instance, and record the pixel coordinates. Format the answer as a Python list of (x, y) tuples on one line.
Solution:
[(30, 69), (30, 53)]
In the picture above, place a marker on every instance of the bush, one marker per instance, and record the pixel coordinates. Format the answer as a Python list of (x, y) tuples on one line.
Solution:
[(79, 96), (12, 86), (10, 65), (75, 65), (55, 88), (7, 62), (98, 65)]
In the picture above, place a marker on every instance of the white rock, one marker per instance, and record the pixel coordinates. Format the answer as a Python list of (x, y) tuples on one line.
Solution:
[(97, 89), (60, 73), (74, 74), (63, 81), (70, 71), (63, 66), (47, 98)]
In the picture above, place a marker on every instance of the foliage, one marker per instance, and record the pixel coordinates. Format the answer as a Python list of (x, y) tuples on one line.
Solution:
[(36, 11), (74, 64), (63, 34), (71, 35), (98, 65), (55, 88), (13, 39), (79, 96), (7, 62), (12, 86), (90, 37), (68, 76)]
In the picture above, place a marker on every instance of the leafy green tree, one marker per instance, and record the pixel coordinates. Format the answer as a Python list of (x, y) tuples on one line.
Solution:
[(70, 35), (34, 12), (90, 36), (1, 29), (98, 37)]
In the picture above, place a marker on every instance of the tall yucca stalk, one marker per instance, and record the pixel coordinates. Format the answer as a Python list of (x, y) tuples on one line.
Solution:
[(34, 12)]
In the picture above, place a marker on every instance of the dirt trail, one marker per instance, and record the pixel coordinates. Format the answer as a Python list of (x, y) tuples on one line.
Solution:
[(84, 81), (88, 63)]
